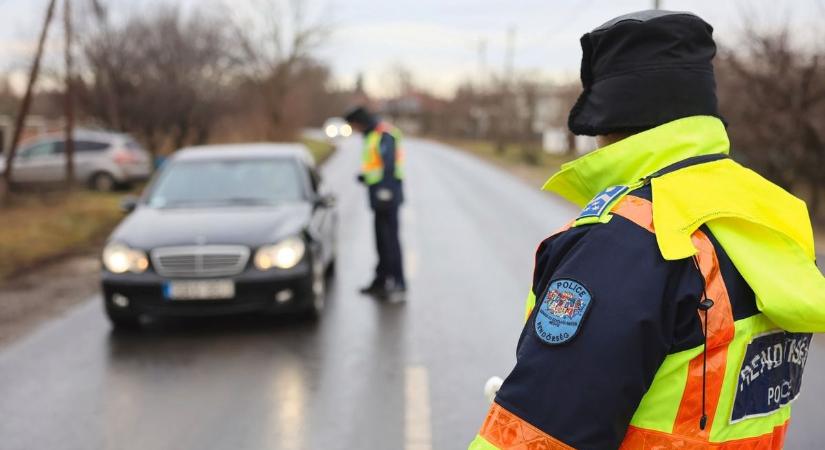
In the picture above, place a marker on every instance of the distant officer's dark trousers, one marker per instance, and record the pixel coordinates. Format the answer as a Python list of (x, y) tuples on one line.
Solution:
[(390, 262)]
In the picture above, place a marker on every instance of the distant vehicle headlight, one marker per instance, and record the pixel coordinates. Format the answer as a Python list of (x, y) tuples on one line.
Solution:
[(331, 130), (119, 258), (346, 130), (283, 255)]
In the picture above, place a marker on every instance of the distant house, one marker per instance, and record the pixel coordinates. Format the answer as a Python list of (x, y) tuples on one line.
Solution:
[(414, 112), (551, 121)]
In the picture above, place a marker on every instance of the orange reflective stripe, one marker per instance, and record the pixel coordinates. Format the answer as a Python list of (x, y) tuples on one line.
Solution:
[(373, 160), (636, 210), (720, 333), (720, 329), (690, 408), (373, 163), (642, 439), (720, 316), (507, 431)]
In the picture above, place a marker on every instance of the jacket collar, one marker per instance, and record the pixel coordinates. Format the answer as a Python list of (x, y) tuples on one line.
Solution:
[(631, 159)]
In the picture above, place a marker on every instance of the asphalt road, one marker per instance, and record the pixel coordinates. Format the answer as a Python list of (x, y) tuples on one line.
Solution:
[(369, 375)]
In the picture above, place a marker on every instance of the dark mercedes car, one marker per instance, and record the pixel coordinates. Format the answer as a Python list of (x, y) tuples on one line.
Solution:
[(223, 230)]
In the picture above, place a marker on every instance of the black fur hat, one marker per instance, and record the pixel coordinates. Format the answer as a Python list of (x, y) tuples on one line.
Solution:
[(645, 69)]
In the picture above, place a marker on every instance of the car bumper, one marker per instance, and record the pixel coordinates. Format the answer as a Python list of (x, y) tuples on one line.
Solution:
[(133, 172), (255, 292)]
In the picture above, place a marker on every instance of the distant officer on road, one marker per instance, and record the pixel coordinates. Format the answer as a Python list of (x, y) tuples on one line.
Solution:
[(382, 171), (676, 310)]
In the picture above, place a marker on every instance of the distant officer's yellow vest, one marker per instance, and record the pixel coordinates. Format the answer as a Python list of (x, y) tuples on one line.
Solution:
[(372, 165)]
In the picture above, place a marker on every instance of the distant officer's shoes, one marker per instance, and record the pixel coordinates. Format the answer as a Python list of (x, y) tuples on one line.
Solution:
[(374, 288), (387, 290)]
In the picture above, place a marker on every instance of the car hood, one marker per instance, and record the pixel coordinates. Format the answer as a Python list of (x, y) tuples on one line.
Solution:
[(147, 228)]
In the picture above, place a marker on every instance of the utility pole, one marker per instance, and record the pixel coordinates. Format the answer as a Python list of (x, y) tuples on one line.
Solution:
[(510, 54), (20, 121), (69, 97), (657, 4), (482, 62), (101, 15)]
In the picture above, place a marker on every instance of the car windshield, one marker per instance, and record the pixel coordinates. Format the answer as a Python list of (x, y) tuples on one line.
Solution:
[(227, 182)]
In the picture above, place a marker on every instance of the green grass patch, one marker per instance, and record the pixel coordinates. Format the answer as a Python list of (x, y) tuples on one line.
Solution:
[(320, 149), (40, 227)]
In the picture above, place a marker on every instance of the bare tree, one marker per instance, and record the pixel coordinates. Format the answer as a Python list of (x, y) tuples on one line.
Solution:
[(171, 75), (530, 94), (278, 45), (773, 95)]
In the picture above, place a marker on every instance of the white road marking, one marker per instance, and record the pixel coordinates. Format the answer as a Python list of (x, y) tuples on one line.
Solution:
[(417, 428), (410, 263)]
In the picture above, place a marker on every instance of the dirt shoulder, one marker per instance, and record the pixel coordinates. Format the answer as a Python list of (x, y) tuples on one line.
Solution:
[(46, 292)]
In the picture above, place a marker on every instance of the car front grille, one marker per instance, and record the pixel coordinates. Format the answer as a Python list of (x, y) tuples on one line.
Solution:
[(200, 261)]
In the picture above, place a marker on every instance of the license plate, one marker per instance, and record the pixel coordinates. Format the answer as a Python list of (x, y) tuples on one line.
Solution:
[(199, 290)]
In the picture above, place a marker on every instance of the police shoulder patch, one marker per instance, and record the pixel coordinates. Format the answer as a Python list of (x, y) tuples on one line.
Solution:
[(602, 201), (562, 310)]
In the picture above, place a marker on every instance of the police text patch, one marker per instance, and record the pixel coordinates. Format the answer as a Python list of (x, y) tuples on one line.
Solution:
[(562, 311), (599, 204), (771, 374)]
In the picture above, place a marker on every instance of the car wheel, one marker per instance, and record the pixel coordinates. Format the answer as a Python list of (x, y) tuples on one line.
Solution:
[(331, 267), (318, 290), (103, 182)]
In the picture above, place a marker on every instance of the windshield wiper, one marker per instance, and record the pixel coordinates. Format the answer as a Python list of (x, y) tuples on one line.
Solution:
[(249, 201), (219, 201)]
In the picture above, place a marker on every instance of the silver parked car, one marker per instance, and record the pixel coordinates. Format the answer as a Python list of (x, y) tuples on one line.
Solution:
[(103, 160)]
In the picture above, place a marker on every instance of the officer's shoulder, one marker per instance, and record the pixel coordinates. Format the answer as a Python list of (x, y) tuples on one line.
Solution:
[(597, 225)]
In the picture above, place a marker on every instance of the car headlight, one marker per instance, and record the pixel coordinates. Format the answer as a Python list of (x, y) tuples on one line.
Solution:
[(120, 258), (331, 131), (346, 130), (283, 255)]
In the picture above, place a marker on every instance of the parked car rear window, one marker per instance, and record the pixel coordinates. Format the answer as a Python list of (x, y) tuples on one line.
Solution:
[(227, 182)]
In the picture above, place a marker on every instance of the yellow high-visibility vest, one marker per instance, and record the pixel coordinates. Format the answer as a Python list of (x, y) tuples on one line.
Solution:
[(767, 234), (372, 165)]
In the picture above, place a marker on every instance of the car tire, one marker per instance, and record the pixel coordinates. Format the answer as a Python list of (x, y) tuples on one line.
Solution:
[(318, 293), (330, 272), (103, 182)]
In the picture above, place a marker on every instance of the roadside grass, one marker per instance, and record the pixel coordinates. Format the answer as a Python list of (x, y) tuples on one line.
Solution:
[(44, 226), (320, 149), (513, 159)]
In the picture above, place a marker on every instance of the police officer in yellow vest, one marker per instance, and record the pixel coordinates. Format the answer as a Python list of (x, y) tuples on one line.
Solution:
[(676, 310), (382, 171)]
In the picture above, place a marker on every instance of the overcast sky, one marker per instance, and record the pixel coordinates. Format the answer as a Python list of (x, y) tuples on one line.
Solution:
[(439, 40)]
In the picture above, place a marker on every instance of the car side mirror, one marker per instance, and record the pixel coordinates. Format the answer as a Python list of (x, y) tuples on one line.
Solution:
[(325, 201), (129, 204)]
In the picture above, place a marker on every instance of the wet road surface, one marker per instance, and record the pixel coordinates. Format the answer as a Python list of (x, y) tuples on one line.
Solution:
[(369, 375)]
